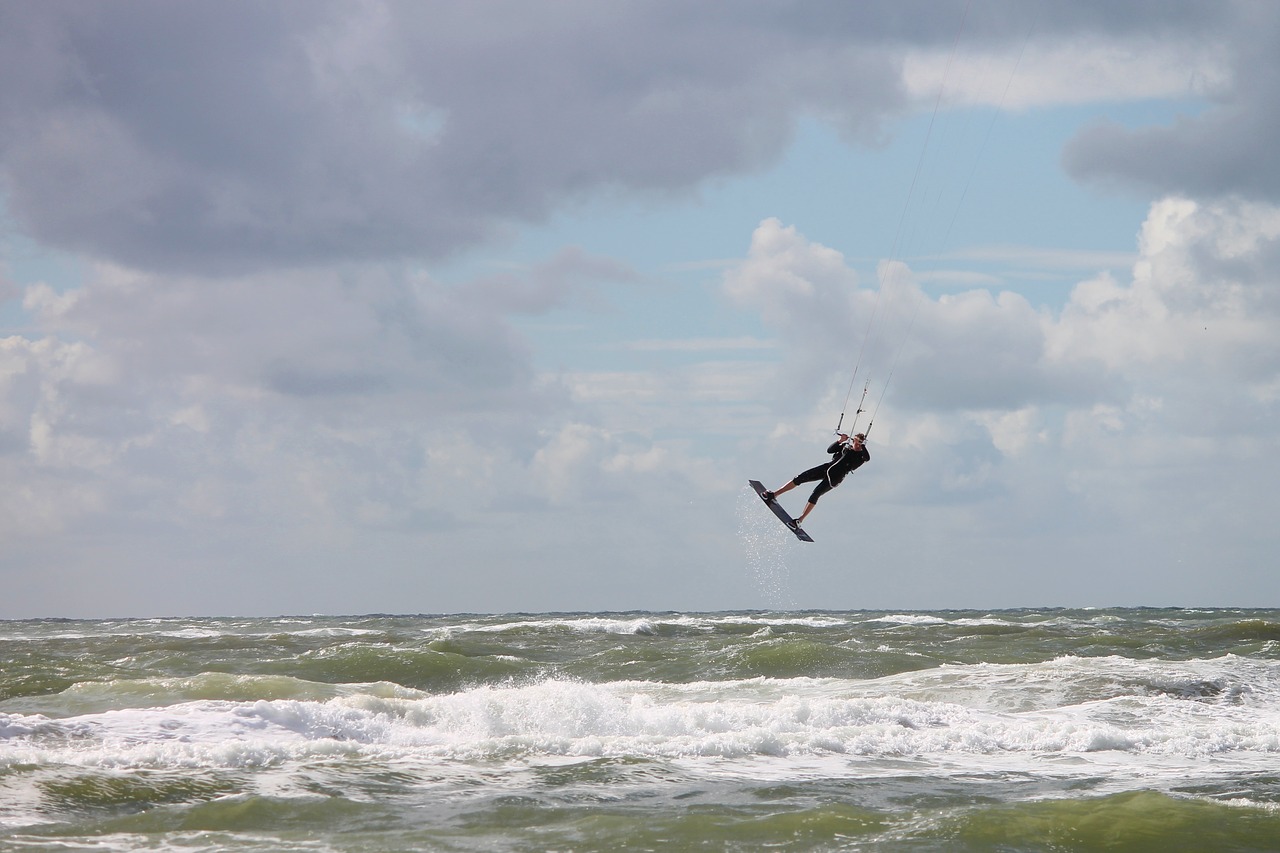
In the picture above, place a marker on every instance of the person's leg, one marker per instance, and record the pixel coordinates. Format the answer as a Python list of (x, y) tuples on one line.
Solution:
[(791, 484), (821, 489), (817, 472)]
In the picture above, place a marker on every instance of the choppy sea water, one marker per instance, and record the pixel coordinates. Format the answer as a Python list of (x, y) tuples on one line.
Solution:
[(1026, 730)]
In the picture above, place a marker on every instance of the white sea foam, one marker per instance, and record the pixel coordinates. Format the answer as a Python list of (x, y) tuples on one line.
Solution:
[(785, 621), (332, 631), (909, 619), (577, 624), (648, 624), (1107, 712)]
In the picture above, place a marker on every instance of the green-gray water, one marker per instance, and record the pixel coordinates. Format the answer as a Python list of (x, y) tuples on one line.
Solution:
[(1027, 730)]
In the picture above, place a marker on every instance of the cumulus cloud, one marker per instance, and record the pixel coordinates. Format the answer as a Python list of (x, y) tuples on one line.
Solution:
[(836, 332), (1201, 300), (1195, 318), (276, 396), (1126, 432), (807, 293), (583, 462)]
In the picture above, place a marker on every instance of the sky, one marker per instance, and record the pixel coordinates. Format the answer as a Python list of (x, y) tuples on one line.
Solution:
[(430, 307)]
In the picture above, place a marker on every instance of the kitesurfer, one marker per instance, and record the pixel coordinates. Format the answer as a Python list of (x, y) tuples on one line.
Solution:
[(847, 454)]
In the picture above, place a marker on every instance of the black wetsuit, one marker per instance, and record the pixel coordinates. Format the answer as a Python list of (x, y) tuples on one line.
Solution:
[(831, 473)]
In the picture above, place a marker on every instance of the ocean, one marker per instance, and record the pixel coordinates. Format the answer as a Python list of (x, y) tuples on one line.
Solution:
[(1022, 730)]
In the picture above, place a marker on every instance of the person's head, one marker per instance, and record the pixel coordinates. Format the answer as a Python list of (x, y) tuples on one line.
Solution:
[(860, 438)]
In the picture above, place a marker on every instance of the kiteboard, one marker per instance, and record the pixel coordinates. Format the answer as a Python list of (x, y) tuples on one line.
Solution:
[(780, 512)]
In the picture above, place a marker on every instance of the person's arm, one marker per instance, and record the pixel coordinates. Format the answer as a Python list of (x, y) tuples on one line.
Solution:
[(841, 440)]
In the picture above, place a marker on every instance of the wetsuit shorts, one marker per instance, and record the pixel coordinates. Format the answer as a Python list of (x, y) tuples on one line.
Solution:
[(818, 473)]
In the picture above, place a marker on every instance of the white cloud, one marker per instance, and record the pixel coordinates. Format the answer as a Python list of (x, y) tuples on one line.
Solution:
[(807, 294), (1013, 432), (582, 465), (309, 401), (1198, 302), (322, 406), (1053, 72), (991, 344), (1094, 418)]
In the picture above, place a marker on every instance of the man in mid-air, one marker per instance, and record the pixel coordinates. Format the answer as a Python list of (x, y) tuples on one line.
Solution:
[(847, 454)]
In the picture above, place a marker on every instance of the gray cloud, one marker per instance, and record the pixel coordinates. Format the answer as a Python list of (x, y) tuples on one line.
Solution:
[(307, 399), (215, 138), (994, 351), (224, 137), (551, 284), (323, 336), (1227, 150)]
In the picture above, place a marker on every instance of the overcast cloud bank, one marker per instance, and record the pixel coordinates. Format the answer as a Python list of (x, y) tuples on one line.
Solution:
[(259, 381)]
